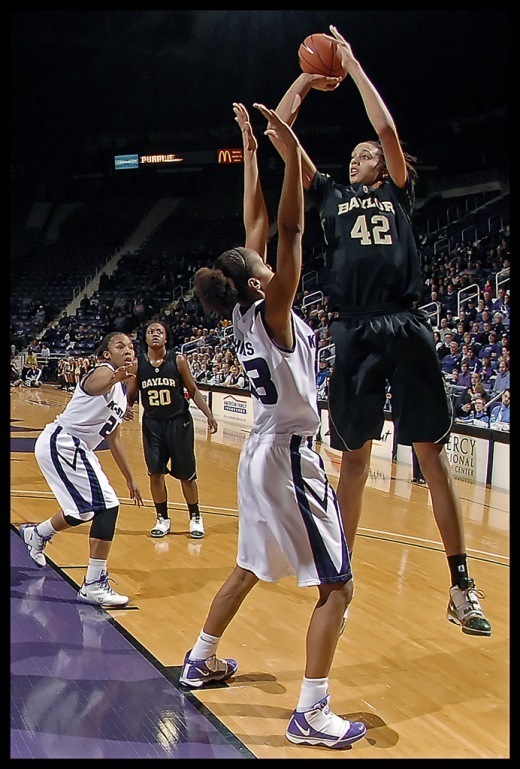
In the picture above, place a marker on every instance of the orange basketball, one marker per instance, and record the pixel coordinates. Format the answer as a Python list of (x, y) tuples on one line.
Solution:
[(319, 55)]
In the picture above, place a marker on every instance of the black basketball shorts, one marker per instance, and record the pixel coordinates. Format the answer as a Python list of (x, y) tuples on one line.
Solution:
[(371, 351), (173, 441)]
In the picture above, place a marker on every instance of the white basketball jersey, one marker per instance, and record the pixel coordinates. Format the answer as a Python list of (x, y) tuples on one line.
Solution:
[(283, 382), (92, 417)]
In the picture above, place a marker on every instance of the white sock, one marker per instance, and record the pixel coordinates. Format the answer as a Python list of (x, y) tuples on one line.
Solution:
[(46, 529), (95, 569), (205, 646), (313, 690)]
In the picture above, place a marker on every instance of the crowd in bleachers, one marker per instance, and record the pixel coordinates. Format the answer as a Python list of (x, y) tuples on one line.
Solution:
[(466, 292)]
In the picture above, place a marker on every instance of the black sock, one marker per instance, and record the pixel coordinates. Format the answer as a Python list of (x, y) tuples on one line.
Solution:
[(162, 509), (194, 509), (459, 570)]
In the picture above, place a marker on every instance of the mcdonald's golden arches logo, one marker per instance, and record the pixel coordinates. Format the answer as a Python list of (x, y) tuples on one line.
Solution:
[(229, 156)]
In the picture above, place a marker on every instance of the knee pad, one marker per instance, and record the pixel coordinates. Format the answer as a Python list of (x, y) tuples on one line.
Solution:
[(104, 524), (82, 518)]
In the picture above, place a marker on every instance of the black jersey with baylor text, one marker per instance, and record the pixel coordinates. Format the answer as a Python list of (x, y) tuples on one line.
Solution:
[(371, 252), (161, 388)]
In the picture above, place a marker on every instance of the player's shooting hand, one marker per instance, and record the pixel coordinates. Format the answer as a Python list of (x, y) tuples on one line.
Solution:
[(344, 47), (324, 83)]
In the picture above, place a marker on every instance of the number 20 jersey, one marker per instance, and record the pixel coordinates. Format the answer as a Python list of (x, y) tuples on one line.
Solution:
[(283, 382)]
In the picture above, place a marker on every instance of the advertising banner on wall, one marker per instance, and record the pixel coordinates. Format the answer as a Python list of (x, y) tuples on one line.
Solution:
[(234, 408), (468, 457)]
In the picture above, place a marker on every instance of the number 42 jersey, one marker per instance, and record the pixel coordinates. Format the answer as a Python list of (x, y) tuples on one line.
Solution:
[(283, 382)]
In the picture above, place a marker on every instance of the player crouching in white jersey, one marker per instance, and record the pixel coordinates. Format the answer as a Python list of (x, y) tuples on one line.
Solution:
[(65, 453)]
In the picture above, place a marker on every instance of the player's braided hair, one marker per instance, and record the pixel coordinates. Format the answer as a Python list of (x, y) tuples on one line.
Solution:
[(410, 160)]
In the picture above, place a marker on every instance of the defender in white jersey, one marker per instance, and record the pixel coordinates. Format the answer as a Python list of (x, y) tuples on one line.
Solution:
[(65, 453), (289, 518)]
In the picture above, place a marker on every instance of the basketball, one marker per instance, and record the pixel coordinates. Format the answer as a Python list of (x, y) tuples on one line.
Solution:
[(319, 55)]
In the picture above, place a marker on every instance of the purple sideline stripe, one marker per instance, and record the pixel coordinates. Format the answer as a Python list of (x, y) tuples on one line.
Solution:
[(80, 689)]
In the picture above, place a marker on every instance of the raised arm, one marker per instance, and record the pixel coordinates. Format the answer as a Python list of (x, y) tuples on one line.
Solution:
[(377, 113), (287, 109), (280, 292), (256, 219)]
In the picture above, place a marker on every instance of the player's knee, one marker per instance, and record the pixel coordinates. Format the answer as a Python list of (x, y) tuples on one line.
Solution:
[(79, 519), (104, 524)]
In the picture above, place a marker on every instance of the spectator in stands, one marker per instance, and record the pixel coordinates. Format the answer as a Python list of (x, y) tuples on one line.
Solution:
[(498, 325), (44, 361), (502, 379), (203, 375), (450, 300), (506, 355), (453, 381), (50, 334), (30, 360), (39, 317), (33, 376), (458, 334), (491, 349), (479, 413), (464, 375), (70, 370), (487, 299), (235, 378), (439, 344), (498, 303), (445, 328), (500, 413), (471, 310), (452, 359), (15, 377), (216, 374), (486, 370), (480, 309), (486, 318), (379, 171), (61, 374), (464, 319), (472, 360)]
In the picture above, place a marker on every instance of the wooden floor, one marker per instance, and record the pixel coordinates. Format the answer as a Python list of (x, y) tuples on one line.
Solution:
[(424, 689)]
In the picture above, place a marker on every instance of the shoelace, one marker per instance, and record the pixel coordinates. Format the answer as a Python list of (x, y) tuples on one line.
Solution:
[(473, 596), (42, 541), (104, 583)]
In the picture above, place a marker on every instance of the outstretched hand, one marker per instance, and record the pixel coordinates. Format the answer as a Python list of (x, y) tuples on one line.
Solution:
[(277, 127), (242, 118), (123, 373)]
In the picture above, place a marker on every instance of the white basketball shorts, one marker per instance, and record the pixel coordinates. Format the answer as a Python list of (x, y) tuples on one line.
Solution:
[(73, 473), (289, 517)]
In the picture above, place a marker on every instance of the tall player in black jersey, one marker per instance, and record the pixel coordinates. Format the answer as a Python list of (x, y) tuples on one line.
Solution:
[(167, 428), (379, 334)]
